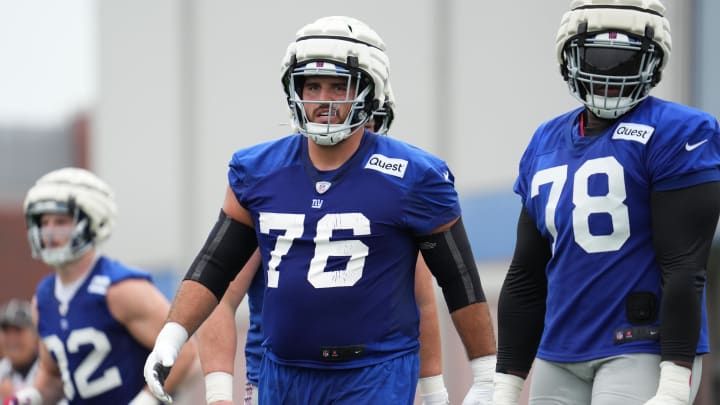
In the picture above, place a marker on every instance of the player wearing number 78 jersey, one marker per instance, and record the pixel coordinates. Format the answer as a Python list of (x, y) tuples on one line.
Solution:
[(620, 202)]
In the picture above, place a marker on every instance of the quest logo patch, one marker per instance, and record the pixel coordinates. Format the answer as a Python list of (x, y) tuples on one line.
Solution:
[(633, 132), (384, 164)]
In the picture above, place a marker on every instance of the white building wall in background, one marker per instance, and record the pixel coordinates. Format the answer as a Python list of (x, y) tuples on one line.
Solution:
[(137, 138)]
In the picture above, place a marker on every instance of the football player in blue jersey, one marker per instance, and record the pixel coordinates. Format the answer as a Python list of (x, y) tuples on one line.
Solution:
[(620, 199), (217, 336), (339, 214), (97, 318)]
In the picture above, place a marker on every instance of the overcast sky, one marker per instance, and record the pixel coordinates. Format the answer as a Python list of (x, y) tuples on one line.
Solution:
[(47, 60)]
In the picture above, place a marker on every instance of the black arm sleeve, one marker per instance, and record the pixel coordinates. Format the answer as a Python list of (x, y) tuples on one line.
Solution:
[(226, 250), (521, 309), (683, 224), (449, 257)]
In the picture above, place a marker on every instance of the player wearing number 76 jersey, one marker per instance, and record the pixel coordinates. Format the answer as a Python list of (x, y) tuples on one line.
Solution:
[(606, 289), (339, 215)]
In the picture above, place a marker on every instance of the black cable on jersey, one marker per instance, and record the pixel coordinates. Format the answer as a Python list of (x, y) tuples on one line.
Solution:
[(450, 259), (683, 223), (226, 250), (521, 307)]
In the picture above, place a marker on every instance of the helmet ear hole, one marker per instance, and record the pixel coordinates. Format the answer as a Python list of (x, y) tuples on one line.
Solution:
[(564, 72), (374, 105), (657, 76)]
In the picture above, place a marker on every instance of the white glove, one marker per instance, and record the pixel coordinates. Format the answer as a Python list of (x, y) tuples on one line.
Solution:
[(26, 396), (507, 389), (433, 391), (481, 392), (674, 385), (144, 398), (158, 364)]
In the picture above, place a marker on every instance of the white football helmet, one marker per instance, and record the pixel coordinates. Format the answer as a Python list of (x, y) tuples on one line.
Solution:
[(336, 46), (612, 52), (80, 194)]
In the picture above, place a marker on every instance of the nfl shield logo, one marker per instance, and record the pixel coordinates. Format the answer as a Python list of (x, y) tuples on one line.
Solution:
[(322, 186)]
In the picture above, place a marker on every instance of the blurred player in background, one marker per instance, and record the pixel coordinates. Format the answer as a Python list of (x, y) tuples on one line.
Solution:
[(20, 344), (97, 318)]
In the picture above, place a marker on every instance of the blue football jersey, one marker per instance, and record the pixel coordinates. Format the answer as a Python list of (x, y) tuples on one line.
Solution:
[(338, 247), (590, 196), (253, 342), (100, 362)]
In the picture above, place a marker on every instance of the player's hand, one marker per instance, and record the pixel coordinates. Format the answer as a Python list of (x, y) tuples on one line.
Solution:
[(481, 392), (158, 364), (674, 385), (507, 389), (433, 391), (435, 398), (157, 368), (144, 398)]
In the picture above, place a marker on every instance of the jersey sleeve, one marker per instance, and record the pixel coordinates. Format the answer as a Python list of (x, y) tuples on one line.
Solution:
[(238, 175), (116, 272), (433, 200), (248, 166), (687, 154)]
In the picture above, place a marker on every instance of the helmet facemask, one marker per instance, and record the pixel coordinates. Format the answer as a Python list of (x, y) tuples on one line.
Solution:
[(80, 238), (611, 72), (357, 96)]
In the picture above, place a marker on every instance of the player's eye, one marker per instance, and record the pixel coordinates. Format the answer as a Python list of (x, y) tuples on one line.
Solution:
[(314, 87), (339, 87)]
